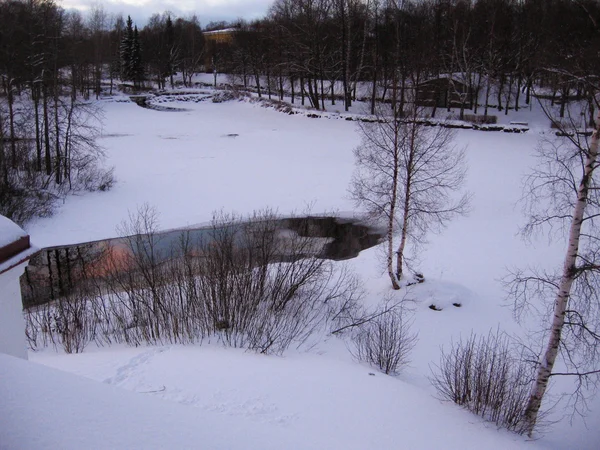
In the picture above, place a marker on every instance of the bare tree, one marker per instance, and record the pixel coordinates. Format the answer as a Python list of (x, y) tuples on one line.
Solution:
[(562, 196), (97, 24), (407, 173)]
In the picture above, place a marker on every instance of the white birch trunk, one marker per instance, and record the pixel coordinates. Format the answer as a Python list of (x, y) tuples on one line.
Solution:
[(393, 200), (407, 195), (401, 247), (562, 296)]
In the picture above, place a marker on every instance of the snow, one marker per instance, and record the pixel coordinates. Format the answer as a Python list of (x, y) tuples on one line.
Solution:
[(9, 231), (186, 164), (47, 408), (318, 402), (12, 326), (222, 31)]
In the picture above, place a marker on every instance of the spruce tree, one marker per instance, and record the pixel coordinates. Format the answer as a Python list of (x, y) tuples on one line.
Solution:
[(127, 51), (136, 66), (168, 51)]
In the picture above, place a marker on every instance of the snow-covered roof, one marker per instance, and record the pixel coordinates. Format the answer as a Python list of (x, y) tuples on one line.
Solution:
[(223, 31), (9, 231), (15, 246), (443, 77)]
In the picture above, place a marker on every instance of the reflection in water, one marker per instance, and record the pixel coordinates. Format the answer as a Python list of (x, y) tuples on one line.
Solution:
[(55, 272)]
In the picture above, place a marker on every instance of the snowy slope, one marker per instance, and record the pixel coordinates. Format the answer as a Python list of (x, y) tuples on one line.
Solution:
[(307, 400), (43, 408), (188, 164)]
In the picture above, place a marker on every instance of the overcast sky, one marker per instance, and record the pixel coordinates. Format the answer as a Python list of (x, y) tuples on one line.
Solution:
[(206, 10)]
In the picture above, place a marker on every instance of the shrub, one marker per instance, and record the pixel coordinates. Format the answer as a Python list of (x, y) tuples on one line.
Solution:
[(223, 96), (385, 341), (246, 284), (25, 196), (482, 375)]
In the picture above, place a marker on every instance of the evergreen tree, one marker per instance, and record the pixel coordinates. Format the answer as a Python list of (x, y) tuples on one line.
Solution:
[(170, 50), (136, 65), (127, 51)]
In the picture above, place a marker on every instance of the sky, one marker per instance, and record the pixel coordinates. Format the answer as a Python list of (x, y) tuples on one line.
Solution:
[(206, 10)]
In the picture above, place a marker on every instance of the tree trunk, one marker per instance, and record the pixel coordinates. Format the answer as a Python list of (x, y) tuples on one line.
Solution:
[(3, 167), (57, 163), (322, 92), (487, 97), (361, 62), (508, 94), (407, 193), (332, 88), (345, 55), (35, 92), (563, 100), (500, 90), (281, 93), (475, 106), (393, 200), (257, 81), (562, 295), (11, 122), (402, 94), (518, 96), (316, 91), (47, 155), (67, 156)]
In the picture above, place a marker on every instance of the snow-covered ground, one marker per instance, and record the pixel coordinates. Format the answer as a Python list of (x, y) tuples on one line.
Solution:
[(240, 157)]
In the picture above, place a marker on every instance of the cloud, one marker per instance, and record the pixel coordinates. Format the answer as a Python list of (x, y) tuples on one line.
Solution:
[(205, 10)]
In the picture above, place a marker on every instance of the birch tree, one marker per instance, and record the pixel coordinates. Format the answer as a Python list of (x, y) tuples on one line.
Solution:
[(562, 196), (408, 174)]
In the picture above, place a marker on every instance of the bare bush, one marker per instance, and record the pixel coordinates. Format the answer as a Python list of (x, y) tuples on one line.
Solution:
[(67, 323), (224, 96), (385, 341), (24, 196), (483, 375), (248, 284)]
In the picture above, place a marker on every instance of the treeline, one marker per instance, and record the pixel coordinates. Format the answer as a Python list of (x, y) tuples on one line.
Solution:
[(495, 47), (47, 131), (52, 63), (314, 45)]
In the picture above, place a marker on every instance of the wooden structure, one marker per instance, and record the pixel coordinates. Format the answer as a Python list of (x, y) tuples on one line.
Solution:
[(13, 241), (217, 44), (14, 248), (224, 36), (444, 93)]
